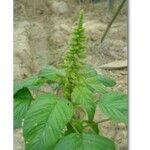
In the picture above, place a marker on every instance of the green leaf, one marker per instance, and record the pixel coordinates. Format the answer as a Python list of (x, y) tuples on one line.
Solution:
[(22, 101), (84, 97), (84, 141), (48, 73), (31, 82), (88, 71), (45, 121), (52, 74), (106, 81), (96, 80), (95, 84), (114, 105)]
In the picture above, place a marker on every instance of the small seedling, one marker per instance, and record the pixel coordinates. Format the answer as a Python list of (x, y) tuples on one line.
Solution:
[(65, 120)]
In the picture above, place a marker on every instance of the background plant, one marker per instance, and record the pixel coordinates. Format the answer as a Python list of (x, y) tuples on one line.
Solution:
[(55, 121)]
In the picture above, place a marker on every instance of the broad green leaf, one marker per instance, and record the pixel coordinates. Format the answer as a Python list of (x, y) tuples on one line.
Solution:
[(48, 73), (90, 74), (22, 101), (45, 121), (114, 105), (106, 81), (84, 141), (95, 84), (84, 97), (52, 74), (31, 82), (88, 71)]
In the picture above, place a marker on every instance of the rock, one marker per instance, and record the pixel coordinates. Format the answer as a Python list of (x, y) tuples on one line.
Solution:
[(31, 49), (125, 49), (94, 29), (60, 34), (21, 50), (58, 40), (59, 7), (39, 46), (118, 31), (115, 65), (113, 49)]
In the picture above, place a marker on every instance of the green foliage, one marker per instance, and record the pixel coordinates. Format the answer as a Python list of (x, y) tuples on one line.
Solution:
[(83, 96), (84, 141), (114, 105), (31, 83), (52, 74), (45, 121), (22, 101), (54, 122)]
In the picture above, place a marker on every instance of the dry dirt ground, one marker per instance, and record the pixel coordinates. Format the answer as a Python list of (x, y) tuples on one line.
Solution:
[(41, 34)]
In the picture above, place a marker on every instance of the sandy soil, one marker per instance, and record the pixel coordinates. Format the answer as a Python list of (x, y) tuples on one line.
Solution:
[(41, 34)]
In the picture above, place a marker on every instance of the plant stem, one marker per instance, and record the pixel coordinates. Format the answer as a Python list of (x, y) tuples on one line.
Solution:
[(104, 120), (113, 19)]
